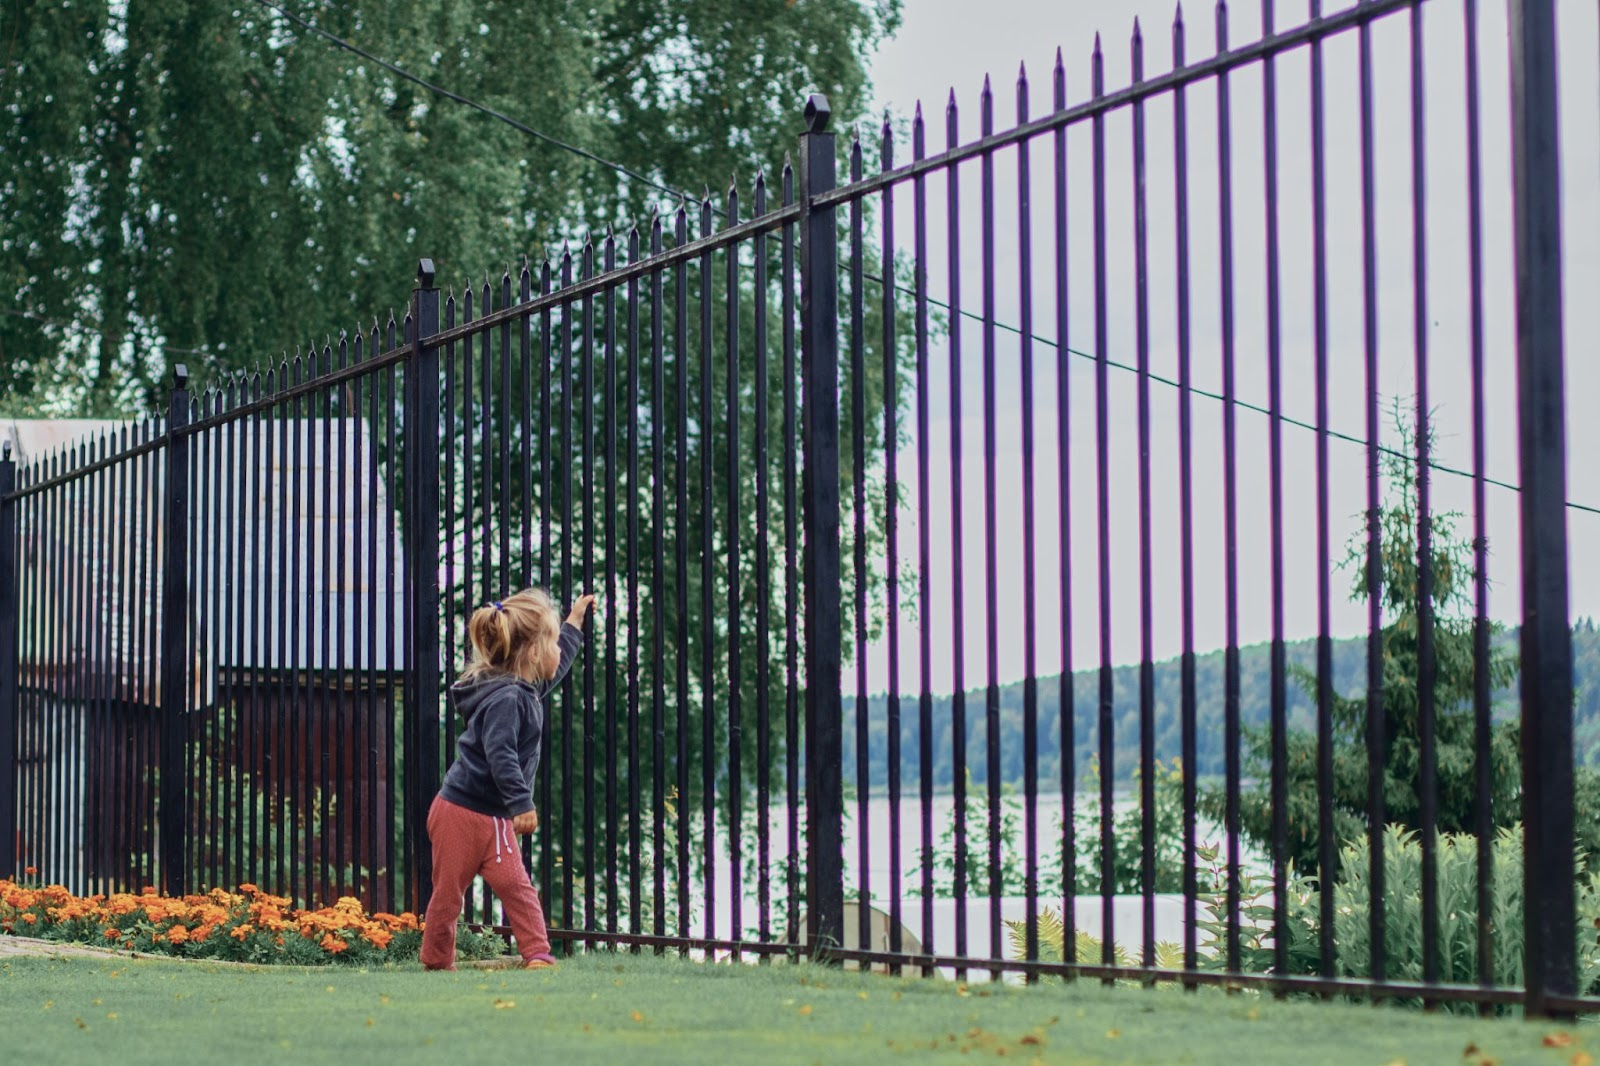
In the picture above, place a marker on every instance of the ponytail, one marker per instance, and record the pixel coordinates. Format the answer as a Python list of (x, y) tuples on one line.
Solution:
[(505, 634)]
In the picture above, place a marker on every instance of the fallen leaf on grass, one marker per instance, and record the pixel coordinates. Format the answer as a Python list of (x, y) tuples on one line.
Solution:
[(805, 1010), (1031, 1038), (370, 1023), (79, 1023), (1558, 1040), (383, 1000), (1582, 1058), (637, 1016), (1395, 1062), (1112, 1034), (504, 1004)]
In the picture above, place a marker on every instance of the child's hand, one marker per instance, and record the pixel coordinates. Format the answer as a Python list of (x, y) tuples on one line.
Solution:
[(523, 824), (580, 611)]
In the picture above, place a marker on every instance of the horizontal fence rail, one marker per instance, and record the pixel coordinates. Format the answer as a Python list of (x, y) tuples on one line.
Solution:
[(924, 643)]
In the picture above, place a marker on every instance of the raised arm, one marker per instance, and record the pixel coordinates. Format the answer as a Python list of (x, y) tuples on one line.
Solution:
[(570, 640)]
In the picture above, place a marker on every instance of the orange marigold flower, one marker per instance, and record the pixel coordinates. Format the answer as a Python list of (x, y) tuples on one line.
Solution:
[(30, 918), (241, 931), (332, 944), (113, 934), (178, 934), (280, 941), (249, 889), (149, 890), (380, 939)]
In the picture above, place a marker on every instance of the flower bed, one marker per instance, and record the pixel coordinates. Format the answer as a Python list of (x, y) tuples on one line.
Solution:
[(244, 926)]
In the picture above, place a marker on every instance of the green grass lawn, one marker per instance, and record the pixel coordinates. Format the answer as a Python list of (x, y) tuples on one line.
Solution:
[(644, 1010)]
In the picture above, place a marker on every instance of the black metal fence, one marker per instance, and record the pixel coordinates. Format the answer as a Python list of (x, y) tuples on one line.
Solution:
[(228, 629)]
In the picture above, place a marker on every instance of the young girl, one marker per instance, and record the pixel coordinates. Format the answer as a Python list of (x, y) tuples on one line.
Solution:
[(520, 651)]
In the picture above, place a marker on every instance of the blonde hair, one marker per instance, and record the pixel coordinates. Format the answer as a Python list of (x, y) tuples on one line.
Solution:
[(507, 635)]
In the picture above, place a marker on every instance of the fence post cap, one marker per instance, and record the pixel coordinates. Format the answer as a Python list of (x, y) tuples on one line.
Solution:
[(5, 450), (425, 274), (180, 377), (818, 112)]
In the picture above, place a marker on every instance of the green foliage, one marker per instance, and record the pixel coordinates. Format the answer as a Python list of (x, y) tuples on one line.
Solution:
[(1457, 864), (1053, 938), (177, 176)]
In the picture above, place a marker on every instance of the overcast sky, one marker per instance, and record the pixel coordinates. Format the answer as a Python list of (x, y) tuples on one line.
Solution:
[(951, 42)]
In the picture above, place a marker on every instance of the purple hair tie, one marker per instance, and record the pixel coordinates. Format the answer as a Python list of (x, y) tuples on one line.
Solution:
[(497, 606)]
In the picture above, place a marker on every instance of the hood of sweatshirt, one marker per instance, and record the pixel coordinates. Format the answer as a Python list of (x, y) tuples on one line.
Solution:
[(469, 695)]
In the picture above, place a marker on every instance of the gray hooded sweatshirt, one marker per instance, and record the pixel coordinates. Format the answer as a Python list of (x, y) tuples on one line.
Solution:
[(498, 752)]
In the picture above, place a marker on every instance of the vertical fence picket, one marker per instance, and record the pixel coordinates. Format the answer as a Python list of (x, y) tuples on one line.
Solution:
[(819, 363)]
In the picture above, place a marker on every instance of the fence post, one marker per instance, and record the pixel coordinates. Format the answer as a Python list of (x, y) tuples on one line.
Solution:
[(819, 430), (174, 638), (8, 665), (422, 571), (1549, 909)]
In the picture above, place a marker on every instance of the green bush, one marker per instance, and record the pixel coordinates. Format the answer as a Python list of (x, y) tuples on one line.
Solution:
[(1457, 864)]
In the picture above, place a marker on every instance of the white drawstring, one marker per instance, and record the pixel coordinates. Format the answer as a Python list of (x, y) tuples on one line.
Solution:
[(498, 822)]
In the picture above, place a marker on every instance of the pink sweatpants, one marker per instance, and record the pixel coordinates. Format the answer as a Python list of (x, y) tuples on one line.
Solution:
[(466, 844)]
